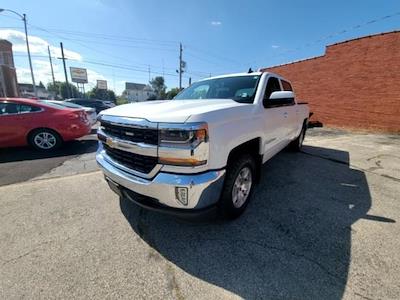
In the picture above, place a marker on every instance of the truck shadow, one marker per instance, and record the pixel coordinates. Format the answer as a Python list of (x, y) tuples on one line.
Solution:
[(294, 240)]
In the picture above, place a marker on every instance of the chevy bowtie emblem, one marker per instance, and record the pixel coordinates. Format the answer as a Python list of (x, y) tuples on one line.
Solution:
[(110, 142)]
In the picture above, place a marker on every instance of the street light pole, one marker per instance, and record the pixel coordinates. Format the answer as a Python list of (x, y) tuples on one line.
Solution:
[(29, 56), (23, 18)]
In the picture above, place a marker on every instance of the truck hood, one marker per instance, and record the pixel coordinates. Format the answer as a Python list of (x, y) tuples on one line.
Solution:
[(174, 111)]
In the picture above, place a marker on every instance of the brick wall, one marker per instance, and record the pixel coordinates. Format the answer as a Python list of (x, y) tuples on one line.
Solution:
[(356, 84)]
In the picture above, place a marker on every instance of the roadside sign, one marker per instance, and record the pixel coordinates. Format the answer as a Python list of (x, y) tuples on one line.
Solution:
[(78, 75), (102, 84)]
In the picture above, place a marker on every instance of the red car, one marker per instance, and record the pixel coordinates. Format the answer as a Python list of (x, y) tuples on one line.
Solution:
[(44, 126)]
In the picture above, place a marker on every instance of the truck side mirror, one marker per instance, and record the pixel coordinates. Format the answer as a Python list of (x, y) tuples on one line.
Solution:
[(280, 98)]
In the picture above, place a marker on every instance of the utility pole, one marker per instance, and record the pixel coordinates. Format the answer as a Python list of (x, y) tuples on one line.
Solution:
[(180, 66), (23, 18), (65, 69), (113, 74), (29, 55), (51, 66), (190, 81)]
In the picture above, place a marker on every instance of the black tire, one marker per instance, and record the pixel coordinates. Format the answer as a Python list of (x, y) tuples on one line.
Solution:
[(227, 208), (297, 144), (50, 139)]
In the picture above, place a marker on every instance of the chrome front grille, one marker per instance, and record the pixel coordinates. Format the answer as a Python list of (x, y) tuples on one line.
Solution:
[(130, 144), (137, 162), (130, 133)]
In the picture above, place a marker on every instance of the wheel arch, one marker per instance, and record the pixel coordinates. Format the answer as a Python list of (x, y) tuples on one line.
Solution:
[(251, 147)]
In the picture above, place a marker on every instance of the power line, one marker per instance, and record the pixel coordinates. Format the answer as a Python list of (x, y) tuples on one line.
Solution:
[(106, 64), (122, 45), (78, 41), (103, 36), (210, 62), (338, 33), (114, 37), (88, 47), (127, 40), (219, 57), (191, 48)]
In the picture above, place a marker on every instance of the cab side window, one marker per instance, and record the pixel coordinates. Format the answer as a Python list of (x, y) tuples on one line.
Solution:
[(286, 85), (272, 86)]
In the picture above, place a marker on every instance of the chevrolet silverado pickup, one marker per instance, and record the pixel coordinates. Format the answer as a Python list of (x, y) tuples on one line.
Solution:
[(203, 150)]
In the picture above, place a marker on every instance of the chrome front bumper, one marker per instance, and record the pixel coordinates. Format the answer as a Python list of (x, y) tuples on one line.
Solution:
[(204, 189)]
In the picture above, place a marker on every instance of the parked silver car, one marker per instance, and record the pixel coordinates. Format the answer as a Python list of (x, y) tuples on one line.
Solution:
[(90, 112)]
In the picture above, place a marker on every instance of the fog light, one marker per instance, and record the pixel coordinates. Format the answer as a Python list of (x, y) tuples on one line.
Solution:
[(181, 194)]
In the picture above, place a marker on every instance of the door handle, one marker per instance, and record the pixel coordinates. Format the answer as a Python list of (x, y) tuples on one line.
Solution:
[(285, 114)]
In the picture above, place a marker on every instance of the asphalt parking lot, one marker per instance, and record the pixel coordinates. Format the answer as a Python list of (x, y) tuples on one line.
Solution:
[(24, 163), (323, 224)]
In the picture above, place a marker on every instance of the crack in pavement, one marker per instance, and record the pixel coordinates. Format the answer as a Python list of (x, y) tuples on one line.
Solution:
[(31, 251), (350, 165)]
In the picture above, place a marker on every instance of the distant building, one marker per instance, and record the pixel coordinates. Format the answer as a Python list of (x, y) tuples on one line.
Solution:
[(26, 90), (8, 76), (137, 92)]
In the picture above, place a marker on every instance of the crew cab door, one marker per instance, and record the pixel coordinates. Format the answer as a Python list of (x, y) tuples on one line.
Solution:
[(293, 119), (275, 121)]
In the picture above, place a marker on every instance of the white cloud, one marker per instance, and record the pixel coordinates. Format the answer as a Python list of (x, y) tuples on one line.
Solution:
[(275, 46), (37, 45), (216, 23), (41, 66)]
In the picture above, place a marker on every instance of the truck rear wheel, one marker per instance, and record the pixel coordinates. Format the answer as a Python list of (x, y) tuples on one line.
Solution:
[(238, 186)]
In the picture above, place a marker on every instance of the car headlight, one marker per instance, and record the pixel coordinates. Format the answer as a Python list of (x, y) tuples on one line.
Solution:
[(183, 145)]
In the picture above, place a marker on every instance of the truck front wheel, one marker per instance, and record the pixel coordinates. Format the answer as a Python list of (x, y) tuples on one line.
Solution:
[(238, 186)]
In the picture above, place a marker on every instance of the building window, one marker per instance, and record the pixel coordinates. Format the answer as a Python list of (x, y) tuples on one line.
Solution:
[(7, 59)]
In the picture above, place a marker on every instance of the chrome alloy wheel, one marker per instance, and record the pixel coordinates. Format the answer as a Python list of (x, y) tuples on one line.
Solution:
[(242, 186), (45, 140)]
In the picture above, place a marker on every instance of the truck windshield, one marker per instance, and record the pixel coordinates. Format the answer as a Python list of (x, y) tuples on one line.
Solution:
[(237, 88)]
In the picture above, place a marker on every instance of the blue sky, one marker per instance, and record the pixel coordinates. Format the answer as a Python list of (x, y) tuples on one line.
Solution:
[(120, 40)]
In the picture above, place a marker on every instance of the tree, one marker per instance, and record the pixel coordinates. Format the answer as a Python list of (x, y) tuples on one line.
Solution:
[(121, 100), (41, 84), (102, 94), (60, 88), (159, 87), (172, 93)]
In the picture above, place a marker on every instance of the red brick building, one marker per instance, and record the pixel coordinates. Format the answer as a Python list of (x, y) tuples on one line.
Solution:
[(356, 84), (8, 77)]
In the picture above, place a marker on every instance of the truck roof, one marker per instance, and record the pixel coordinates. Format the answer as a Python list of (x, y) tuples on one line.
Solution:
[(255, 73)]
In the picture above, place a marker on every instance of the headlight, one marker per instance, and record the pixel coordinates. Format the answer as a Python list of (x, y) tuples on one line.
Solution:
[(182, 138), (183, 145)]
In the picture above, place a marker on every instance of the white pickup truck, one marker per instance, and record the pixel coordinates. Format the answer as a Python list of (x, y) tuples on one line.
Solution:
[(203, 150)]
